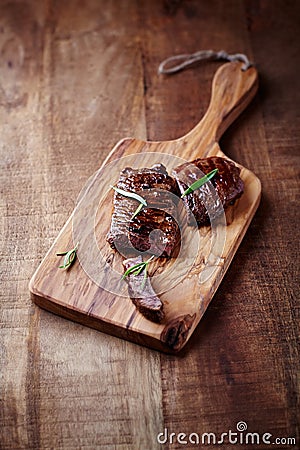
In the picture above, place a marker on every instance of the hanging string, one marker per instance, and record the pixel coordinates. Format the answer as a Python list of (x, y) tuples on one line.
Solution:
[(186, 60)]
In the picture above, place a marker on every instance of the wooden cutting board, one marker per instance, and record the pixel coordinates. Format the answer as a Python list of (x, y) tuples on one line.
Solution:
[(91, 291)]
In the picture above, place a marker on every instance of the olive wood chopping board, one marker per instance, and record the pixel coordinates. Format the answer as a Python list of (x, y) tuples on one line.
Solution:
[(92, 292)]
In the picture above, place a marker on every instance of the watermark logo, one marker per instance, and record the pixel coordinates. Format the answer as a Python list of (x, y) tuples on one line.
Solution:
[(241, 426), (240, 436)]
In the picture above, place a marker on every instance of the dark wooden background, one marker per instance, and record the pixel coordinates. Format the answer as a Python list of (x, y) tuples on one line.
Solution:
[(75, 77)]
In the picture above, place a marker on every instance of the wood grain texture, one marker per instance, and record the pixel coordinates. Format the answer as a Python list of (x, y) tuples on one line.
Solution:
[(93, 293), (62, 65)]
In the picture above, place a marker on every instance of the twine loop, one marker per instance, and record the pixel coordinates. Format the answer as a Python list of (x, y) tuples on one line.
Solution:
[(185, 60)]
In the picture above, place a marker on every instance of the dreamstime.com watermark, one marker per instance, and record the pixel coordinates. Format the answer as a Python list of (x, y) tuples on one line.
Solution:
[(240, 436)]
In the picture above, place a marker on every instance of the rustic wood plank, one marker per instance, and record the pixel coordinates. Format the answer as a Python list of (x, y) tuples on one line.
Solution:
[(243, 361), (240, 364), (280, 111), (24, 219), (114, 419), (63, 385)]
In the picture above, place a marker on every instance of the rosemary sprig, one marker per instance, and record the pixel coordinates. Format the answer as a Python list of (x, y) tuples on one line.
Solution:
[(69, 257), (137, 269), (138, 209), (130, 195), (197, 184), (134, 196)]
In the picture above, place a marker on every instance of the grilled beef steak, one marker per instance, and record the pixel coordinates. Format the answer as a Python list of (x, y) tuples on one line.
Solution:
[(154, 228), (203, 203), (142, 294)]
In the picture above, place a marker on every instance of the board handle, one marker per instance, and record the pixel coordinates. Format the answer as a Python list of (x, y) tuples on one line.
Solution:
[(232, 90)]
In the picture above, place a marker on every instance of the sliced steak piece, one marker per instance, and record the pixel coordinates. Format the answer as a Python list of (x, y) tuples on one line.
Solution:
[(204, 204), (142, 294), (155, 228)]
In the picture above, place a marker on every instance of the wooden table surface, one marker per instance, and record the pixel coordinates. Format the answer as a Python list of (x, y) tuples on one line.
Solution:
[(75, 77)]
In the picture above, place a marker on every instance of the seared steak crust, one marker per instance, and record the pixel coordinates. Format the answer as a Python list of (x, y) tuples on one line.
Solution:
[(126, 232), (227, 183)]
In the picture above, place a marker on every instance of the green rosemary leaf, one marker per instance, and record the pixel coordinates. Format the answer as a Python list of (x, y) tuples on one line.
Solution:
[(150, 259), (72, 257), (145, 272), (69, 257), (138, 209), (65, 266), (138, 268), (143, 267), (130, 195), (132, 269), (200, 182)]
